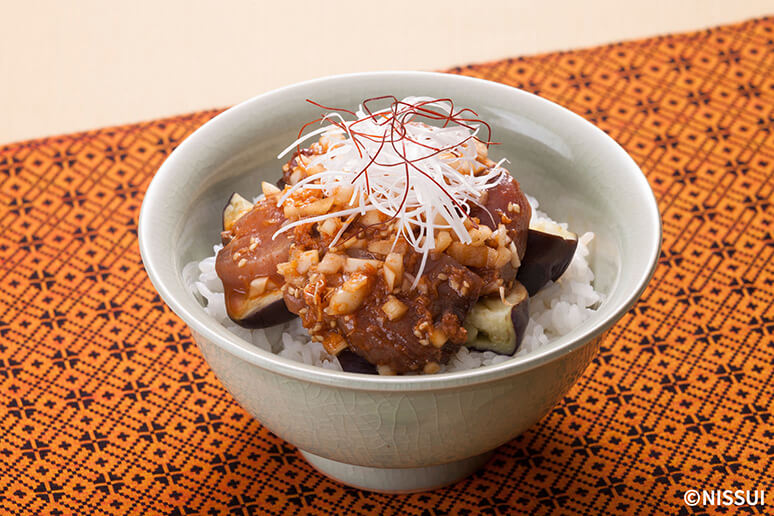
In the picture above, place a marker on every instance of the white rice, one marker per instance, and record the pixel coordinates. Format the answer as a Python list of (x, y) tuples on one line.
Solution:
[(554, 311)]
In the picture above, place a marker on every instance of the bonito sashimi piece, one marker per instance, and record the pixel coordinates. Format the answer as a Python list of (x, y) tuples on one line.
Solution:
[(247, 265)]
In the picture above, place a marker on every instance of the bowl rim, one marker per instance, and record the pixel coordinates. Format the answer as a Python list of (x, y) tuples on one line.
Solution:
[(271, 362)]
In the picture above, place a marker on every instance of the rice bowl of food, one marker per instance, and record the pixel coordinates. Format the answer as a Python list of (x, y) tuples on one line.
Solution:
[(397, 272)]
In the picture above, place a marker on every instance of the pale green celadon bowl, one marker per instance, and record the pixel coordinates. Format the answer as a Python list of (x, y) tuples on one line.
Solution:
[(416, 432)]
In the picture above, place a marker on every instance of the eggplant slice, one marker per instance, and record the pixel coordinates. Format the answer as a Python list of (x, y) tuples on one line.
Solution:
[(261, 312), (351, 362), (247, 265), (550, 249), (234, 209), (494, 325)]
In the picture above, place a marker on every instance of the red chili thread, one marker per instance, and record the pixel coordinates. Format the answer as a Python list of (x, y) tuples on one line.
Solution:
[(401, 113)]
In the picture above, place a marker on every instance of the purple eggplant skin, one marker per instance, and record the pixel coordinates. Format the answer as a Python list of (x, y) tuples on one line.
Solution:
[(520, 319), (486, 330), (351, 362), (547, 257), (267, 311)]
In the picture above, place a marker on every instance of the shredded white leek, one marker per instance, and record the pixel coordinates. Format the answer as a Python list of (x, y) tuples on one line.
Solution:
[(410, 181)]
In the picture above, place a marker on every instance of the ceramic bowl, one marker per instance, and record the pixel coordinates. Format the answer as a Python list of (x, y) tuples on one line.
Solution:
[(417, 432)]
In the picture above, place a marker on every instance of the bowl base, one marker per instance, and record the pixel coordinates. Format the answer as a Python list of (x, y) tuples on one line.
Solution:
[(397, 480)]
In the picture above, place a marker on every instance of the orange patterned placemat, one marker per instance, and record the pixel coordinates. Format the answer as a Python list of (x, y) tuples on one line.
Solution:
[(106, 405)]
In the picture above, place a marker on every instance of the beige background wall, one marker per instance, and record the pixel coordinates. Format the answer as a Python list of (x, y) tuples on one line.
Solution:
[(74, 65)]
